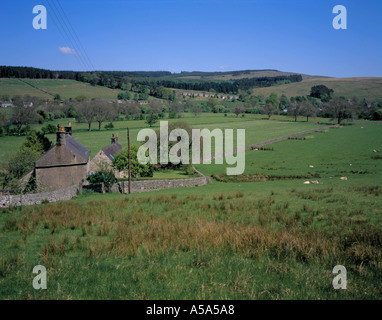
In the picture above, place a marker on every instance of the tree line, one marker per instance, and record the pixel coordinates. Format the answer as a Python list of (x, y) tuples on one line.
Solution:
[(152, 80)]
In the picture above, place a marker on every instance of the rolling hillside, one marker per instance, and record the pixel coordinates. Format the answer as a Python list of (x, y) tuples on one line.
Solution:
[(237, 75), (369, 88), (47, 88)]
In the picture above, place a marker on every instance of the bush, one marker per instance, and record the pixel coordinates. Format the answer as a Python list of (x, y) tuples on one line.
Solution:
[(378, 114), (59, 115), (21, 162), (50, 128), (121, 163), (110, 125), (189, 170), (104, 176)]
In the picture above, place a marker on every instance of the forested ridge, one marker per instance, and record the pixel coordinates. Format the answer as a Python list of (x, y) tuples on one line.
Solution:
[(153, 79)]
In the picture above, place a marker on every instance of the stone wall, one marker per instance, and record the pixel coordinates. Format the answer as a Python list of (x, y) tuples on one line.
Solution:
[(8, 200), (151, 185), (11, 200)]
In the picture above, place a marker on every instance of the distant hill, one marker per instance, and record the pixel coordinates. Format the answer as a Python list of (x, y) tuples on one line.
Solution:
[(236, 75), (47, 88), (143, 82), (369, 88), (107, 84)]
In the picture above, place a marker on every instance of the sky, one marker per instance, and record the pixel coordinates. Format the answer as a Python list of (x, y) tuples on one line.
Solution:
[(195, 35)]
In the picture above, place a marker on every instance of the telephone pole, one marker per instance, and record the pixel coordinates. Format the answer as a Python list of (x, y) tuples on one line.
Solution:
[(128, 143)]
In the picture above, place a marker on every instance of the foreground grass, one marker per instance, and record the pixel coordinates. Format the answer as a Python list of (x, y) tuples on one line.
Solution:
[(239, 245)]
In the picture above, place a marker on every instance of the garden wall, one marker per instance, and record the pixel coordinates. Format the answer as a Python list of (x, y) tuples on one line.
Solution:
[(11, 200)]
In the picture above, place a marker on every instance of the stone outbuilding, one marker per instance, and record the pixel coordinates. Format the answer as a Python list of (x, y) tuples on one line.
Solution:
[(64, 165), (106, 156)]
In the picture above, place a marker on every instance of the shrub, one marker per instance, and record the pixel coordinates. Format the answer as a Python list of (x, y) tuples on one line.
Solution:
[(121, 163), (21, 162), (189, 170), (104, 176), (50, 128), (110, 125)]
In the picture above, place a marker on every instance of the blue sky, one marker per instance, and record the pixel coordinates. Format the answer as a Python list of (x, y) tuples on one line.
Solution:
[(198, 35)]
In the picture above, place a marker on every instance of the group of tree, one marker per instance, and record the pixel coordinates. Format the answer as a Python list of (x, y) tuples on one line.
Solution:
[(95, 110), (302, 108), (22, 161), (322, 92)]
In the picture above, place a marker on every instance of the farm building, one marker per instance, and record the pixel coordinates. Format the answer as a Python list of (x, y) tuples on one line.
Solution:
[(6, 104), (64, 165), (106, 156)]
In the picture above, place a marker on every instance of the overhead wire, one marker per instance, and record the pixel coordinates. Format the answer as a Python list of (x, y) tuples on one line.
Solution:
[(77, 39), (66, 36)]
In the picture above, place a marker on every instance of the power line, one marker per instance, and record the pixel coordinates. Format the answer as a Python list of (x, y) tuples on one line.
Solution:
[(73, 39), (61, 31), (76, 37), (66, 37), (69, 38)]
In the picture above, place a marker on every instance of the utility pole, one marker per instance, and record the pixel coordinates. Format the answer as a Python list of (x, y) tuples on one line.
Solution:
[(128, 143)]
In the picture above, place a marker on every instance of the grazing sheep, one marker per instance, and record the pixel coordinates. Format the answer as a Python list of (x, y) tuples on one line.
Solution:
[(307, 182), (311, 166), (343, 178), (315, 182)]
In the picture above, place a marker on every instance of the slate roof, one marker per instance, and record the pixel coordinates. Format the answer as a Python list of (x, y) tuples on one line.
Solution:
[(77, 147), (72, 153), (112, 149)]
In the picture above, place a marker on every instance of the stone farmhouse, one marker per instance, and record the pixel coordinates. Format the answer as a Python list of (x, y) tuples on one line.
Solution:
[(64, 165), (6, 104), (209, 95), (106, 156)]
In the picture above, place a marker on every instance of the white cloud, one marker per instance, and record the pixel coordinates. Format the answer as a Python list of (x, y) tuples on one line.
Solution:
[(67, 50), (223, 67)]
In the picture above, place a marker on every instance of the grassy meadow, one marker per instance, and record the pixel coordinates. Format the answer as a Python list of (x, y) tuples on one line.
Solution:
[(257, 129), (65, 88), (231, 239)]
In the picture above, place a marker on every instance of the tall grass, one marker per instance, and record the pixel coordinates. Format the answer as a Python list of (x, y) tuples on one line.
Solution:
[(199, 232)]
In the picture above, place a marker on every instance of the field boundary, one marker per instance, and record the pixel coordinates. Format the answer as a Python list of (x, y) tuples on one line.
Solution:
[(11, 200), (266, 142), (34, 87)]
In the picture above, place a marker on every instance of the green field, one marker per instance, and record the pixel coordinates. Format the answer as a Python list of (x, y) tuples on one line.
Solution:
[(65, 88), (368, 88), (226, 240), (257, 130)]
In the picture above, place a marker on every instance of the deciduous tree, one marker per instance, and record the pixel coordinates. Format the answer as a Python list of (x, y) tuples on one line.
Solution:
[(340, 109), (23, 112)]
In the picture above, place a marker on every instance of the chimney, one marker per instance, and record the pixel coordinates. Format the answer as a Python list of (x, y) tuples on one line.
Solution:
[(60, 140), (112, 139), (68, 129)]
